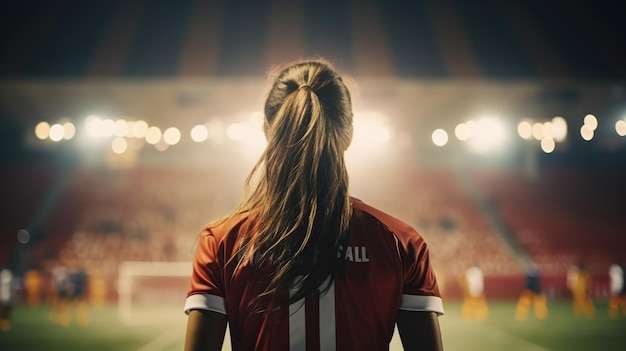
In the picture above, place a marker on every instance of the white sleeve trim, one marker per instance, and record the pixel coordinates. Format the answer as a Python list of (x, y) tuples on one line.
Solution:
[(205, 302), (421, 303)]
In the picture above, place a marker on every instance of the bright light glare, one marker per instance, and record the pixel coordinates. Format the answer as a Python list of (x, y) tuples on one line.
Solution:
[(56, 132), (171, 136), (559, 128), (547, 145), (153, 135), (140, 129), (490, 135), (525, 130), (440, 137), (199, 133), (68, 130), (93, 124), (255, 138), (538, 130), (586, 132), (107, 127), (591, 122), (548, 130), (462, 131), (119, 145), (121, 128), (42, 130), (250, 133), (235, 131), (370, 131), (620, 127)]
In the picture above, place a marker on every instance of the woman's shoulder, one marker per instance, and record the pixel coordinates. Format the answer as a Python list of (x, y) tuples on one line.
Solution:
[(364, 212), (221, 227)]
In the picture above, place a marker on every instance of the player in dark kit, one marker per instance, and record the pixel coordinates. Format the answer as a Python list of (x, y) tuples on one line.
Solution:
[(532, 295), (299, 264)]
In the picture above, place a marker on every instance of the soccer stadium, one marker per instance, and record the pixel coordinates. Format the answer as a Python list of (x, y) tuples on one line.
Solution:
[(497, 129)]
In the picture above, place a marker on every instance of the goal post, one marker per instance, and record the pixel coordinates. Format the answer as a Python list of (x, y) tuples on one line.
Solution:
[(147, 289)]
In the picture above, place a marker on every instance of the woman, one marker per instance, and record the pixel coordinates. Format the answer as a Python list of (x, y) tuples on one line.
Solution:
[(299, 264)]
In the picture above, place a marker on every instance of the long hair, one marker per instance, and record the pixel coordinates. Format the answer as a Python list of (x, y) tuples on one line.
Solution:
[(298, 189)]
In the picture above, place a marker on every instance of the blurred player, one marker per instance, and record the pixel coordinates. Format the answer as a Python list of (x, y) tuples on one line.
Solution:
[(78, 295), (532, 295), (474, 301), (8, 297), (618, 290), (299, 264), (33, 285), (579, 283), (61, 290)]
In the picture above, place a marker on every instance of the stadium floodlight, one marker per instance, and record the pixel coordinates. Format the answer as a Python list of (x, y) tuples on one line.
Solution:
[(559, 128), (370, 131), (247, 133), (586, 132), (620, 127), (548, 145), (153, 135), (538, 130), (547, 130), (107, 127), (490, 134), (42, 130), (199, 133), (119, 145), (591, 122), (235, 131), (525, 130), (56, 132), (140, 129), (462, 131), (93, 126), (171, 136), (440, 137), (68, 130), (121, 128)]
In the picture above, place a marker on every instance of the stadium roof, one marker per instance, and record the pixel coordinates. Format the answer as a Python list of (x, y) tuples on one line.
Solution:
[(551, 39)]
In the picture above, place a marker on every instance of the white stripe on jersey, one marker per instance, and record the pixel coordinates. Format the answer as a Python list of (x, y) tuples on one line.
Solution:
[(326, 313), (327, 319), (297, 326)]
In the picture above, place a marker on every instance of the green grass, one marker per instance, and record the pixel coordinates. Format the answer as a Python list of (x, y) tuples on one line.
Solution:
[(164, 330)]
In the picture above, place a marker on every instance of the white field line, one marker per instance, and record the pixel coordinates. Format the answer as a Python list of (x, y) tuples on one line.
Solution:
[(525, 345), (172, 336), (162, 341)]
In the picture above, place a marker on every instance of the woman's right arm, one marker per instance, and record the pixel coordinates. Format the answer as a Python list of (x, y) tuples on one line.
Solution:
[(205, 330), (419, 330)]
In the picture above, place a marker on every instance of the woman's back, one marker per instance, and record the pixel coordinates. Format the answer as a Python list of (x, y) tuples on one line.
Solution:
[(299, 264)]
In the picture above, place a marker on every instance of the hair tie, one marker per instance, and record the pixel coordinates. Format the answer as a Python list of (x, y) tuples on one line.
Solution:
[(304, 86)]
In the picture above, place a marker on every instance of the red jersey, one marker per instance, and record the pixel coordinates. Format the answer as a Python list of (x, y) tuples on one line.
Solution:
[(387, 268)]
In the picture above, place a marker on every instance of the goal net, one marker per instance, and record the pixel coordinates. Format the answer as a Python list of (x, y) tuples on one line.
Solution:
[(149, 290)]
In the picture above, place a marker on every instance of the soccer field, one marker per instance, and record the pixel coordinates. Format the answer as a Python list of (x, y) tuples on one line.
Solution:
[(164, 331)]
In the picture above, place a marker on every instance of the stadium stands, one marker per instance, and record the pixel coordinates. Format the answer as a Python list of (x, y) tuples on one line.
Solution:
[(563, 216), (149, 213)]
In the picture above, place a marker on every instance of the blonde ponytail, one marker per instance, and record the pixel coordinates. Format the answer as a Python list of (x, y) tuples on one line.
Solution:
[(300, 199)]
